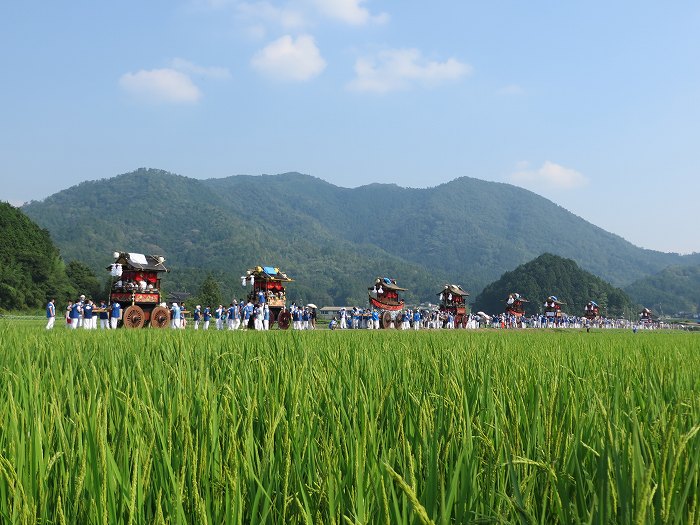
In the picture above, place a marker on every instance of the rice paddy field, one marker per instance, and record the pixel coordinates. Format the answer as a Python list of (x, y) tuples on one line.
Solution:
[(326, 427)]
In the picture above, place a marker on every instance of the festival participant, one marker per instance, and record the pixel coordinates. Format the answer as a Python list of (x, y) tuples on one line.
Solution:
[(356, 317), (296, 319), (333, 324), (257, 317), (116, 312), (305, 317), (207, 317), (312, 319), (248, 319), (183, 318), (175, 316), (87, 315), (232, 316), (266, 317), (224, 318), (237, 313), (218, 315), (343, 319), (82, 306), (67, 313), (406, 320), (50, 314), (104, 316), (75, 315), (416, 320), (375, 319), (197, 316)]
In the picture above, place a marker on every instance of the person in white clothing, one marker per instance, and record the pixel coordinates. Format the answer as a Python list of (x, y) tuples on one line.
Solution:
[(50, 314), (175, 316), (104, 316), (197, 316), (232, 317), (80, 319), (219, 316), (116, 312)]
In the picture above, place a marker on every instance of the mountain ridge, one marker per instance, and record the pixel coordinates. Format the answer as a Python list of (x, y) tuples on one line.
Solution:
[(553, 275), (467, 230)]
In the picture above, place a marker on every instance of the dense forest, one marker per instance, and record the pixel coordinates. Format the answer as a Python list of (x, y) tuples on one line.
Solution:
[(552, 275), (333, 241), (31, 268), (675, 289)]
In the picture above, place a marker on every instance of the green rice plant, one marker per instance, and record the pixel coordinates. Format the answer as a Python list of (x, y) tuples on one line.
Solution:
[(151, 426)]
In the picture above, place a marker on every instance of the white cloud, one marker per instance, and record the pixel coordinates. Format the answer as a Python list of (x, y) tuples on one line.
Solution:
[(349, 11), (550, 175), (160, 85), (396, 69), (188, 67), (290, 59)]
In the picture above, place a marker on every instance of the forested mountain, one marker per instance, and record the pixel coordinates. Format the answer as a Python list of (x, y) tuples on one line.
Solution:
[(31, 269), (551, 275), (334, 241), (675, 289)]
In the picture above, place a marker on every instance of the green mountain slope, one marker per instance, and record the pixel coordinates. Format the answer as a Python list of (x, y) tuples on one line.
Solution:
[(31, 269), (551, 275), (333, 240), (675, 289), (201, 228), (472, 229)]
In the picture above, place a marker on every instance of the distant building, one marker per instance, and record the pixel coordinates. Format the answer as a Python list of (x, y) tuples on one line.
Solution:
[(177, 297), (329, 312)]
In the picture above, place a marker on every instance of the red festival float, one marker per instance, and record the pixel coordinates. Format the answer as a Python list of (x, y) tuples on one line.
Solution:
[(453, 300), (136, 287), (269, 281), (515, 305), (591, 310), (384, 296), (552, 309)]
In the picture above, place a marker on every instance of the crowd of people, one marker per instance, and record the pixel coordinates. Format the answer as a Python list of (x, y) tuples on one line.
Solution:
[(543, 321), (411, 319), (84, 313)]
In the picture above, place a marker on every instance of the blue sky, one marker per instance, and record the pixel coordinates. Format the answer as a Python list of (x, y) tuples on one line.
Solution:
[(594, 105)]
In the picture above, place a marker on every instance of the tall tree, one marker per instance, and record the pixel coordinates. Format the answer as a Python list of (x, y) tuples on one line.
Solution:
[(31, 269), (209, 292), (84, 280)]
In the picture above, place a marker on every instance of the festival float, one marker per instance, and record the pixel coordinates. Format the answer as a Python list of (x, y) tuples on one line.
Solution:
[(384, 296), (136, 283), (453, 300), (646, 317), (552, 309), (515, 304), (591, 311), (267, 285)]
